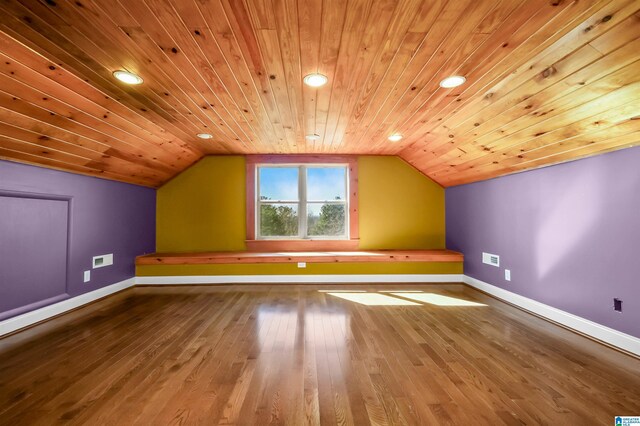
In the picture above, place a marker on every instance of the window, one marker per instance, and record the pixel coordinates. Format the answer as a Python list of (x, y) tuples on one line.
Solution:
[(302, 230), (302, 201)]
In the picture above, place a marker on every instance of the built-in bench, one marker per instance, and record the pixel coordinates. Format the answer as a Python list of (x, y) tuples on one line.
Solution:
[(301, 266)]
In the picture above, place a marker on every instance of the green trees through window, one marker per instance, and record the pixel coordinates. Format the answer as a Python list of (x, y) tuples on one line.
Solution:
[(330, 221), (278, 220)]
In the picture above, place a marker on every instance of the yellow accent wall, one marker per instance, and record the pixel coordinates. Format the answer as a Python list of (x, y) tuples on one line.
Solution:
[(203, 208), (400, 208), (342, 268)]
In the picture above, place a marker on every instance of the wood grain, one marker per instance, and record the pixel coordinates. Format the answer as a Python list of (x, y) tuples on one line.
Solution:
[(291, 256), (258, 354), (545, 79), (302, 245)]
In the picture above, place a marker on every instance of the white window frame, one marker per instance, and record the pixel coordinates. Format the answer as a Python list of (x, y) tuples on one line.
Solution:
[(303, 201)]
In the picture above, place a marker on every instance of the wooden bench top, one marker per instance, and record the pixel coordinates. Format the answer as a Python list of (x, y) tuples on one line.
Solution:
[(311, 257)]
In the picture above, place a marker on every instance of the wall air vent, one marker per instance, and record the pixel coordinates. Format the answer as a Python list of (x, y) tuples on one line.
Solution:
[(491, 259), (102, 261)]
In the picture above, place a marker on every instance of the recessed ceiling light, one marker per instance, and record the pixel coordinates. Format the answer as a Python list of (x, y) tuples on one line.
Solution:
[(395, 137), (127, 77), (315, 80), (453, 81), (313, 137), (204, 136)]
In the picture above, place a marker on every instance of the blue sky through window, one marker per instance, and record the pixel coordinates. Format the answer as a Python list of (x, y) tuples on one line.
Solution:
[(279, 183), (323, 183)]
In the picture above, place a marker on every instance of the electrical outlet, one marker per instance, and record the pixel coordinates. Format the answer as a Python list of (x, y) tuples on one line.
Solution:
[(302, 264), (507, 274), (617, 305), (87, 276)]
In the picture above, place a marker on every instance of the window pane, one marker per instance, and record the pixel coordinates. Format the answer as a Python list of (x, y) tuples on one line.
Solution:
[(325, 219), (326, 183), (279, 183), (278, 220)]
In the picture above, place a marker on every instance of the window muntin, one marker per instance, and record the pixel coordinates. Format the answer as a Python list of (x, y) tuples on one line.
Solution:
[(317, 210)]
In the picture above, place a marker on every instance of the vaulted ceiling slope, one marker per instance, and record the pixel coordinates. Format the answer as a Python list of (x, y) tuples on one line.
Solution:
[(547, 81)]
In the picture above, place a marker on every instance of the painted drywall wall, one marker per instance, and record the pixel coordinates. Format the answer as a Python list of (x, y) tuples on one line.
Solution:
[(342, 268), (203, 209), (570, 235), (33, 228), (103, 217), (400, 208)]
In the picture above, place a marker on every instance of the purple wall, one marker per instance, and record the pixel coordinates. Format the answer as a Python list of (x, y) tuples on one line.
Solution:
[(570, 234), (103, 216), (36, 229)]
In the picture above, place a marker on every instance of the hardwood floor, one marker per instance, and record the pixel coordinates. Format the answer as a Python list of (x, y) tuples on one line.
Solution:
[(295, 355)]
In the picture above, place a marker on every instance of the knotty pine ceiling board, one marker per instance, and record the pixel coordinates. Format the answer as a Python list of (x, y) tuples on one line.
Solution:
[(547, 82)]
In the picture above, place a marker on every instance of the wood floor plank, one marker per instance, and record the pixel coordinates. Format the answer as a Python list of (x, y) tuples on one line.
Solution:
[(298, 354)]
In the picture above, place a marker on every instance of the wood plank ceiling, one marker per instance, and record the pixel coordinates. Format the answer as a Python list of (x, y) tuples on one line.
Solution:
[(547, 81)]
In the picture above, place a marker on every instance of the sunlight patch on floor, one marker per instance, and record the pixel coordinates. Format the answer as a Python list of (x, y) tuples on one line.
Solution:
[(437, 299), (373, 299)]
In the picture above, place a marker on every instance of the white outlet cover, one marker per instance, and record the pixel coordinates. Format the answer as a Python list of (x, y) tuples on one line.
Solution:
[(87, 276), (507, 274), (302, 264)]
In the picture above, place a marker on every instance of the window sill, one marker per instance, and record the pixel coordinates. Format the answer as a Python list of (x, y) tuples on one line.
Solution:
[(302, 245)]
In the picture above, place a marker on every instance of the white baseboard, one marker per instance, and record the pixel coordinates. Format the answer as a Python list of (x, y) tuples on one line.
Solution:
[(301, 279), (600, 332), (29, 318)]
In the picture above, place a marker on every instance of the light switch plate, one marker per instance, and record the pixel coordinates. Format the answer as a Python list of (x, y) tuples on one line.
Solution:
[(87, 276), (507, 274)]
